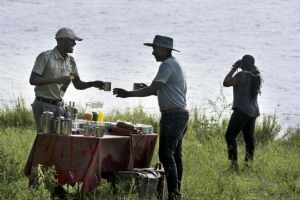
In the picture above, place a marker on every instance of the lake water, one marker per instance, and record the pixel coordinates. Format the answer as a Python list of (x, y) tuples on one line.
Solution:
[(210, 34)]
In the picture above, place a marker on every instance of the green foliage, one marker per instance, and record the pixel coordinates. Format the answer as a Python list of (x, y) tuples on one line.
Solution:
[(292, 136), (8, 167), (267, 130), (16, 114), (219, 107), (134, 115), (205, 128), (18, 190), (274, 173), (13, 183), (44, 178)]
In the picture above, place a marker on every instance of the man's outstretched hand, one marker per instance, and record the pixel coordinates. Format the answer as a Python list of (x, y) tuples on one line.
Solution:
[(119, 92), (99, 85)]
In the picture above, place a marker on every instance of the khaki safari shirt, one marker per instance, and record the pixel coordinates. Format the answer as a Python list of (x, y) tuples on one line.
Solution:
[(50, 64)]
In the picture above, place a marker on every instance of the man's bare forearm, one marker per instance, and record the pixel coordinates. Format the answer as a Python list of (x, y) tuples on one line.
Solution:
[(39, 81), (146, 91), (81, 85)]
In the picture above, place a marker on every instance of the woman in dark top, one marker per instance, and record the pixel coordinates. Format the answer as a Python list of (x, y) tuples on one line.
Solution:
[(246, 86)]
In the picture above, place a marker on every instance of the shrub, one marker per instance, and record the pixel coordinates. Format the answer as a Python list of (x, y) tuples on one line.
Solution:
[(292, 136), (9, 168), (16, 114), (134, 115), (267, 129), (204, 127)]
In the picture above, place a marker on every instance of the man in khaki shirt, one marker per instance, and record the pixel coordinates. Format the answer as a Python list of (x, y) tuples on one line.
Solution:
[(52, 73)]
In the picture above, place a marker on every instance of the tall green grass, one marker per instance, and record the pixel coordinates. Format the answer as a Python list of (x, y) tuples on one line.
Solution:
[(16, 114), (274, 173)]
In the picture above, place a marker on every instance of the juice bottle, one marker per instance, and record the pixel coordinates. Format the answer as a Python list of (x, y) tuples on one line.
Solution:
[(100, 112), (88, 115), (95, 116), (100, 116)]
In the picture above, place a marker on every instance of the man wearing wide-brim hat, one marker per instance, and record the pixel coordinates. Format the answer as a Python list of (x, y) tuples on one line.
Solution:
[(52, 73), (170, 87)]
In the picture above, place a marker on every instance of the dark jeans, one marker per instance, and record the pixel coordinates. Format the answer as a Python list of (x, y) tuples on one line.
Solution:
[(173, 126), (240, 122)]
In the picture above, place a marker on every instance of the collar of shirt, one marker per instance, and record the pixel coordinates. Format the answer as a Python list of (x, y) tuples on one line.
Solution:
[(58, 56)]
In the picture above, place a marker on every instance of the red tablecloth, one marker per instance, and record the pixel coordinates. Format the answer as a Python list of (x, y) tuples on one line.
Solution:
[(83, 159)]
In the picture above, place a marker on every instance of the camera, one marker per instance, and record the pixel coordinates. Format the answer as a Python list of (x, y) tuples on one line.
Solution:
[(238, 64)]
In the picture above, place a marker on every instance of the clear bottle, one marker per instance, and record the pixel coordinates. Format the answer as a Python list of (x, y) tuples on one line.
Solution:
[(88, 115), (67, 113), (100, 112), (59, 110), (70, 110), (75, 111), (74, 118), (95, 111)]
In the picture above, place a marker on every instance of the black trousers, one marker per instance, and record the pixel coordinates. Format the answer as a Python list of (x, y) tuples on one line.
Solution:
[(173, 126), (237, 123)]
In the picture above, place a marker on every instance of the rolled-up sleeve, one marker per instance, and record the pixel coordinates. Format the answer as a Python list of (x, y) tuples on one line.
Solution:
[(40, 64), (164, 73), (74, 66)]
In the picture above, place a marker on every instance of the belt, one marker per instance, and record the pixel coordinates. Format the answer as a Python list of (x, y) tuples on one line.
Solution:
[(49, 101), (174, 110)]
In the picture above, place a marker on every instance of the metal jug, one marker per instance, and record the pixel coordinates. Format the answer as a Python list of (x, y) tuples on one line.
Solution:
[(46, 121), (57, 124), (66, 126)]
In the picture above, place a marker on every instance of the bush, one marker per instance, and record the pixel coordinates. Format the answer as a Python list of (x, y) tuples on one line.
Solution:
[(292, 136), (13, 184), (134, 115), (267, 129), (9, 168), (274, 173), (206, 128), (16, 114)]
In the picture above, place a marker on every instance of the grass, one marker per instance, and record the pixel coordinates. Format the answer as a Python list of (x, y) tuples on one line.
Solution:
[(16, 114), (274, 174)]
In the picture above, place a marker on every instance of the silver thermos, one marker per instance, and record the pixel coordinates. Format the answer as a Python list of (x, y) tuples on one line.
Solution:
[(46, 121), (57, 124), (66, 126)]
